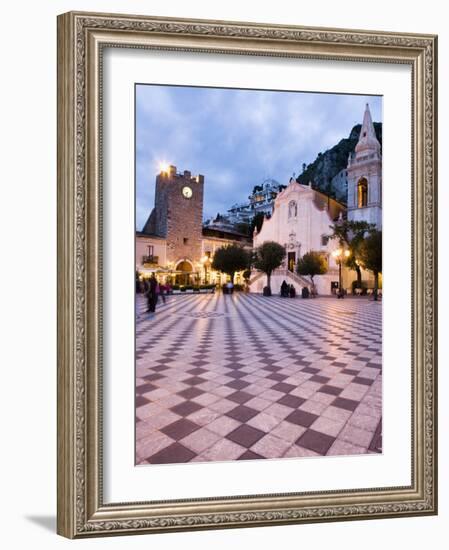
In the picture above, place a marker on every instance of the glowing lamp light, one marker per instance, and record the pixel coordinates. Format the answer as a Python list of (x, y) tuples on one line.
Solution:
[(337, 253), (163, 167)]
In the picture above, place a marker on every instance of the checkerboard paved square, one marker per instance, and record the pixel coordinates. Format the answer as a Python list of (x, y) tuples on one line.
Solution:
[(245, 377)]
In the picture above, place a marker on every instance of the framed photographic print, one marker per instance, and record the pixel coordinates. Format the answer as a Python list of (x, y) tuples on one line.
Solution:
[(246, 274)]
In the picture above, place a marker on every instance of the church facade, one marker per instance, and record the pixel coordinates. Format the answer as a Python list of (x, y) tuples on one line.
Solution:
[(300, 222), (303, 217)]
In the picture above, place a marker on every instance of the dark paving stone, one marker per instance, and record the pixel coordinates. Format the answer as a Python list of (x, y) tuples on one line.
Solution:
[(201, 363), (376, 443), (153, 377), (272, 368), (239, 397), (197, 370), (338, 364), (190, 393), (173, 454), (315, 441), (347, 404), (374, 365), (180, 428), (145, 388), (320, 379), (186, 408), (283, 387), (310, 370), (249, 455), (238, 384), (159, 368), (352, 372), (245, 435), (363, 381), (331, 390), (291, 401), (242, 413), (140, 401), (236, 374), (194, 380), (301, 418)]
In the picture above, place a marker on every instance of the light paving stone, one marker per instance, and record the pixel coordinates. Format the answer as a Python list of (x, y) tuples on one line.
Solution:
[(312, 406), (340, 447), (288, 431), (264, 422), (356, 436), (328, 426), (223, 450), (223, 425), (270, 446), (295, 451), (200, 440)]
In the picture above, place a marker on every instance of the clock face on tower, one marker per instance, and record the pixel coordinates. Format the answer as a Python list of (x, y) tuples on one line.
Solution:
[(187, 192)]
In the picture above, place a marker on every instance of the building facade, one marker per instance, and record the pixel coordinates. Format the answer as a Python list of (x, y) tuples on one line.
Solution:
[(173, 242), (261, 200), (365, 176)]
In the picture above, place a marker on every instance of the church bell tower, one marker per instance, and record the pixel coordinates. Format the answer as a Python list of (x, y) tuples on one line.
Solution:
[(365, 176)]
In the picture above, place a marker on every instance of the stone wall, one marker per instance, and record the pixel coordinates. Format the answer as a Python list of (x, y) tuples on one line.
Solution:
[(176, 217)]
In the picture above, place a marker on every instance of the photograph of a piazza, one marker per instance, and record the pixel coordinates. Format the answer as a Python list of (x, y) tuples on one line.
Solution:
[(258, 274)]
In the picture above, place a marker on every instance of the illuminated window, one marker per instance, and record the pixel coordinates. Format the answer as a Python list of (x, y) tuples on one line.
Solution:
[(362, 193)]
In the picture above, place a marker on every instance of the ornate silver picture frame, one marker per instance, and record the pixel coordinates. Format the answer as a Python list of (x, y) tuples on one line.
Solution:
[(83, 39)]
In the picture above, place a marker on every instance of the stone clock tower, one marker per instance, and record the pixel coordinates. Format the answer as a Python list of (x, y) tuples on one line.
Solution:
[(177, 215)]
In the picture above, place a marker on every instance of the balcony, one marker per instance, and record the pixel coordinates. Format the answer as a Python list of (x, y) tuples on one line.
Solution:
[(150, 260)]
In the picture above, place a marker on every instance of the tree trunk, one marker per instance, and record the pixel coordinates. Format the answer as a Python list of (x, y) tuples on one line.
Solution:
[(269, 280), (359, 276), (376, 284), (232, 277)]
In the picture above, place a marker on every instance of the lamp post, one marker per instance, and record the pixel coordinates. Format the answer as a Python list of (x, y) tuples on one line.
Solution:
[(205, 260), (339, 255)]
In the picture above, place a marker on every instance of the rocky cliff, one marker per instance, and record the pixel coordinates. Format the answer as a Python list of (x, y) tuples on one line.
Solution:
[(328, 164)]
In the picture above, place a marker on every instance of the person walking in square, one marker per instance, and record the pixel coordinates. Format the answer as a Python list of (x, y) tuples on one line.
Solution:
[(284, 289), (152, 293)]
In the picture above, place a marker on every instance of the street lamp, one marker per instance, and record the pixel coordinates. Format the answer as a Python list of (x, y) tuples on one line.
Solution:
[(205, 260), (339, 255)]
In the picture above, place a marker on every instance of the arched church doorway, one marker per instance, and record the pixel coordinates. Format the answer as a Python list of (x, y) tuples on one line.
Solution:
[(362, 193), (184, 278)]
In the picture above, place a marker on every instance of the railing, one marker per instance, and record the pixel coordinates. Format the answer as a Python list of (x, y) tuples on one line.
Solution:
[(284, 273), (150, 259), (297, 278)]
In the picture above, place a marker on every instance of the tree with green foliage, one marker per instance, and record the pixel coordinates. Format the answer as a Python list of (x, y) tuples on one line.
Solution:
[(244, 228), (268, 257), (350, 235), (370, 256), (311, 264), (257, 222), (231, 258)]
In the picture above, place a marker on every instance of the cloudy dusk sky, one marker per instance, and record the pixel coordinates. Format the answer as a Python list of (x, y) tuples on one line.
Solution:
[(235, 138)]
